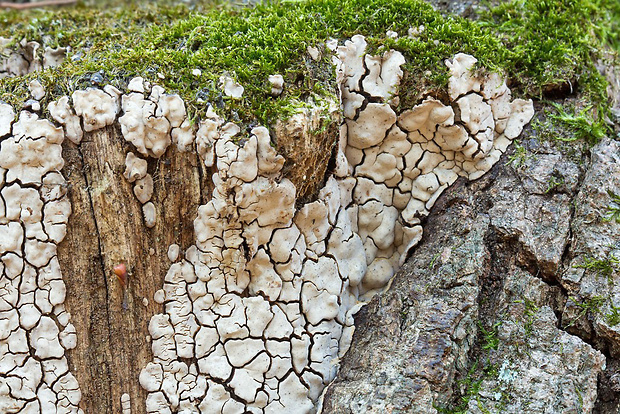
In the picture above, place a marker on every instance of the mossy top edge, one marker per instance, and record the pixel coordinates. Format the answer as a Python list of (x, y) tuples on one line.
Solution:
[(537, 44)]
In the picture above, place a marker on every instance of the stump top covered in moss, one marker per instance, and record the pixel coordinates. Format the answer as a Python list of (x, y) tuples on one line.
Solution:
[(542, 46)]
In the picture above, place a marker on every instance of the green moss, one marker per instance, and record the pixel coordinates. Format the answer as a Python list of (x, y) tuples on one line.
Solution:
[(602, 267), (520, 155), (613, 209), (539, 44), (470, 386), (585, 124), (613, 317), (551, 42), (489, 336)]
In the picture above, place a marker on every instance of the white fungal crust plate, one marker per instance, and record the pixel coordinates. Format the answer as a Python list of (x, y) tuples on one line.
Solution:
[(264, 301), (34, 327), (24, 58)]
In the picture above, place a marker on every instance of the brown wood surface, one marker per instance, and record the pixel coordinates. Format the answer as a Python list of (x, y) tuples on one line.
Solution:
[(107, 228)]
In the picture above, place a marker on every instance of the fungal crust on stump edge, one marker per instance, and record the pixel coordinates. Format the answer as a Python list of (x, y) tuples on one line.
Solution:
[(265, 298), (308, 269), (35, 329)]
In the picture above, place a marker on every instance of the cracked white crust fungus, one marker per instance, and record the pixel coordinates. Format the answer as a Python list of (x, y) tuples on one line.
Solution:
[(62, 113), (150, 134), (135, 167), (231, 87), (151, 123), (32, 105), (54, 57), (35, 330), (259, 310), (277, 84), (173, 252), (314, 53), (36, 90), (159, 296), (183, 136), (264, 300), (32, 151), (125, 404), (24, 59), (143, 189), (136, 85), (98, 108), (7, 116), (150, 214)]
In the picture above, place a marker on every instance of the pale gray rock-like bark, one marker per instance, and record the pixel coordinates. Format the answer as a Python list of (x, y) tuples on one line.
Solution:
[(592, 273), (494, 304)]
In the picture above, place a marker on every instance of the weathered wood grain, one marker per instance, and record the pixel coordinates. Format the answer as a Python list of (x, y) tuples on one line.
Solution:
[(107, 228)]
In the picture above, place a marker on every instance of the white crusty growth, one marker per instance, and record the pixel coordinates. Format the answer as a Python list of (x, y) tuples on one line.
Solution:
[(152, 123), (62, 113), (98, 108), (231, 87), (259, 310), (24, 58), (277, 84), (34, 327), (264, 300), (135, 167)]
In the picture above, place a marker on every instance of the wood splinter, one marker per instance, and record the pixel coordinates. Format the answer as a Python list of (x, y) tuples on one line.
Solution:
[(22, 6)]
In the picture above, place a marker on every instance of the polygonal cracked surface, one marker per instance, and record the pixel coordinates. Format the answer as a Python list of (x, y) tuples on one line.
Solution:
[(260, 309), (34, 328), (264, 301)]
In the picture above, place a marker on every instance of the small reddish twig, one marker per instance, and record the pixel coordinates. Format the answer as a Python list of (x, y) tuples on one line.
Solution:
[(22, 6)]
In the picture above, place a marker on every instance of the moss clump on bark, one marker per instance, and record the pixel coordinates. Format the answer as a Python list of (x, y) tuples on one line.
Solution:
[(541, 45)]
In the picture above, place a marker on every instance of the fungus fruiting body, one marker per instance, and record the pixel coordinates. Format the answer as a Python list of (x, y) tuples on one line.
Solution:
[(120, 270), (273, 288), (35, 329), (258, 311)]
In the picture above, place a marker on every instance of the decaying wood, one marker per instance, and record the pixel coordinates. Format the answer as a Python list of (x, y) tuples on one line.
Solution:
[(107, 228), (23, 6)]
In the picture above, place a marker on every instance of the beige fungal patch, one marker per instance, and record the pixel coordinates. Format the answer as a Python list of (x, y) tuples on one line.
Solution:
[(143, 189), (24, 58), (231, 87), (135, 167), (96, 107), (259, 310), (150, 214), (152, 123), (7, 116), (32, 151), (125, 404), (266, 297), (62, 113), (35, 330), (277, 84), (36, 90), (140, 126)]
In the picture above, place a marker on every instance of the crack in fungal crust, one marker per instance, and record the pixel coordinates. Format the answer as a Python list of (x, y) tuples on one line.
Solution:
[(258, 311), (35, 329)]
